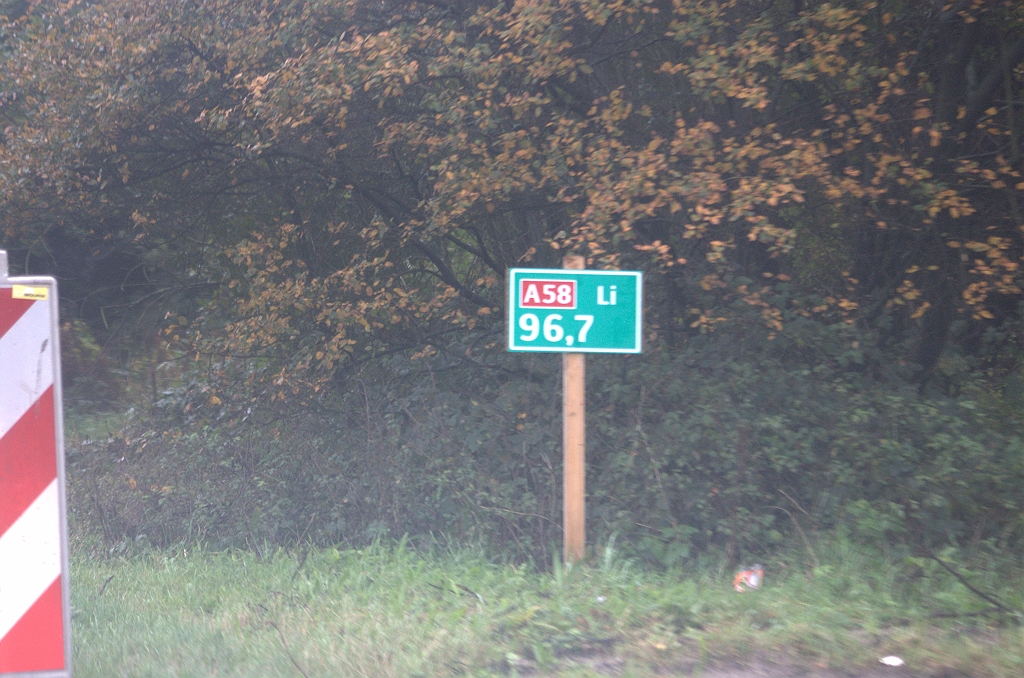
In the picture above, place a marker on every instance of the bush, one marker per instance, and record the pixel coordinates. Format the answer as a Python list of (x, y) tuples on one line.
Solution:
[(732, 441)]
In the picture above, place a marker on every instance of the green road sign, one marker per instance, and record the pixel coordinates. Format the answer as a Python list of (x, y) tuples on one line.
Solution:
[(556, 310)]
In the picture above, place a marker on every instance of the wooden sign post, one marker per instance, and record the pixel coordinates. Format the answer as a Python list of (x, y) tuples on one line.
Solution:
[(574, 312), (574, 445)]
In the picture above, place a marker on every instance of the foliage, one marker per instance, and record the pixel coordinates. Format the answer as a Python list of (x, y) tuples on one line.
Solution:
[(301, 214), (342, 180), (89, 379), (734, 445)]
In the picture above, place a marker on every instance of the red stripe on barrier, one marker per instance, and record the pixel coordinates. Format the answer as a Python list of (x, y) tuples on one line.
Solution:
[(11, 309), (36, 643), (28, 460)]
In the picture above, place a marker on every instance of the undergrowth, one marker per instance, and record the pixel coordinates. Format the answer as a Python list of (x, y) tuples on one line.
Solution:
[(685, 456)]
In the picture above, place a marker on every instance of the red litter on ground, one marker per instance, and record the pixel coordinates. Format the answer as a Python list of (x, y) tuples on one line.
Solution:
[(748, 579)]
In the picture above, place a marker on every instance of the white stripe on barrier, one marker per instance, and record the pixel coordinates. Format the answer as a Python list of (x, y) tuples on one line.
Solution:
[(29, 557), (26, 364)]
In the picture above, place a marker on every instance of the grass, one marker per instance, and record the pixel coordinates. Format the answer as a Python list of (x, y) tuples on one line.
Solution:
[(391, 611)]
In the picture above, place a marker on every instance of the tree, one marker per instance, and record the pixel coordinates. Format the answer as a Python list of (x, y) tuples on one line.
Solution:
[(332, 182), (296, 196)]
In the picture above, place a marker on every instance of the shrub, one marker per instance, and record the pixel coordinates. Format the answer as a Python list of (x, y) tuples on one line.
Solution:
[(731, 442)]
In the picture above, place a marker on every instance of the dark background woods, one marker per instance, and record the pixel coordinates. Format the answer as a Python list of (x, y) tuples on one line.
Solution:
[(281, 230)]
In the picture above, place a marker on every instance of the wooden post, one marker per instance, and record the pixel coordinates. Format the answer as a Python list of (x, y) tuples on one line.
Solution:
[(574, 445)]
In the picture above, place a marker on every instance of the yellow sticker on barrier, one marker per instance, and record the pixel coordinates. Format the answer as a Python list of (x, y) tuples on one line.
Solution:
[(27, 292)]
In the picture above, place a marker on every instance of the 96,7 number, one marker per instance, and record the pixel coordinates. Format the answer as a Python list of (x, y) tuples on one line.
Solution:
[(553, 331)]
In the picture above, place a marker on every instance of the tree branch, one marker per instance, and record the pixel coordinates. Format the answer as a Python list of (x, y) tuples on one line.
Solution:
[(448, 275), (960, 577), (480, 254), (983, 96)]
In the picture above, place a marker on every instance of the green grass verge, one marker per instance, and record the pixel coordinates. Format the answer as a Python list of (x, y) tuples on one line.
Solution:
[(390, 611)]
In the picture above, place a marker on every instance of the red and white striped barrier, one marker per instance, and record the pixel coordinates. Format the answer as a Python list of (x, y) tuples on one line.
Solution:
[(34, 610)]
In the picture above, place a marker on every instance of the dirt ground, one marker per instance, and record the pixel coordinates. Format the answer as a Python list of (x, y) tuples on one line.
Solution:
[(760, 669), (611, 665)]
